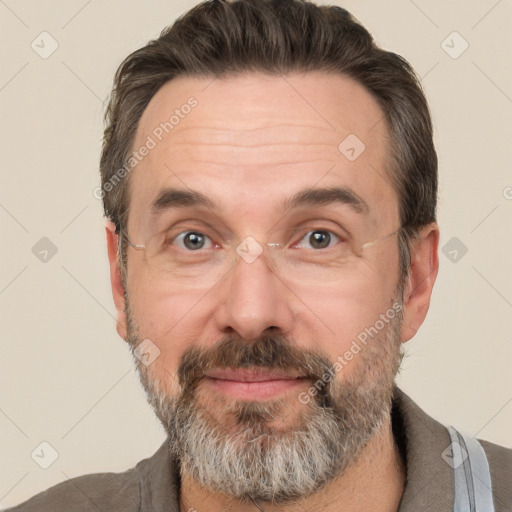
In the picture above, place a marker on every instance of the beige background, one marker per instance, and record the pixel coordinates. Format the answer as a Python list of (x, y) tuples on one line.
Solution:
[(65, 376)]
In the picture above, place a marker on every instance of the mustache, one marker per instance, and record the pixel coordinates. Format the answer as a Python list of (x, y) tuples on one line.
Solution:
[(272, 352)]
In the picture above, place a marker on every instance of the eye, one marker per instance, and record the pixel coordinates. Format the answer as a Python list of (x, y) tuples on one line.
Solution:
[(319, 238), (193, 241)]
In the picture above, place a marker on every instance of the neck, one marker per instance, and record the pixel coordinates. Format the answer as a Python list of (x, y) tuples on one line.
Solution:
[(374, 482)]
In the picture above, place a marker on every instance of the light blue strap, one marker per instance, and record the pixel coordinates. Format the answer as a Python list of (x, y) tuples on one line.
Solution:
[(472, 478)]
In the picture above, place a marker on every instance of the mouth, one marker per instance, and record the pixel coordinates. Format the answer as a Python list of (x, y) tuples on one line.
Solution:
[(253, 383)]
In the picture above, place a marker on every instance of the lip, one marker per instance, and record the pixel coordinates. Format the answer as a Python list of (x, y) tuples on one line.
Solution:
[(252, 384), (250, 375)]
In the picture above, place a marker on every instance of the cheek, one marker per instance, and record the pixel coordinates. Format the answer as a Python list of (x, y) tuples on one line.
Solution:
[(344, 311), (161, 310), (169, 319)]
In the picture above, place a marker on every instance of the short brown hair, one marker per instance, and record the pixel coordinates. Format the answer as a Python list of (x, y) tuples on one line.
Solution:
[(222, 37)]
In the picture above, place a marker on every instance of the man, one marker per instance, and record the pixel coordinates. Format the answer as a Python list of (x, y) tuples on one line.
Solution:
[(270, 182)]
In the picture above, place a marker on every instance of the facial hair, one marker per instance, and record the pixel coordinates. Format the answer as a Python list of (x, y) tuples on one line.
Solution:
[(278, 450)]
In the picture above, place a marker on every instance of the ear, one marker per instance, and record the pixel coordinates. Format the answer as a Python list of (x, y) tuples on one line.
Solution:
[(422, 276), (115, 278)]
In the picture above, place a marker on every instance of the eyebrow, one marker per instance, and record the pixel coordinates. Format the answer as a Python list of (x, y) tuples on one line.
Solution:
[(326, 196), (180, 198)]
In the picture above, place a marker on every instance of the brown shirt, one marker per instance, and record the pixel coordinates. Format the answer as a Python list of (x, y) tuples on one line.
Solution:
[(153, 484)]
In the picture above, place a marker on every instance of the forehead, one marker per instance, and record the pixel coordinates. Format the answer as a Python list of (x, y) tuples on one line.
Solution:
[(252, 141)]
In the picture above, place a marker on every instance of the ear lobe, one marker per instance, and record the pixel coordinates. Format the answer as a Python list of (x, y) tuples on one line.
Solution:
[(422, 276), (115, 278)]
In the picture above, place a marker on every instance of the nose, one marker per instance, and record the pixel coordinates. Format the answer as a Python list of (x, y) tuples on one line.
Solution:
[(252, 299)]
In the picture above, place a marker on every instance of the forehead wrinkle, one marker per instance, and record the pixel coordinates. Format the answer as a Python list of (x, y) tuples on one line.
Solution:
[(270, 125), (255, 156), (238, 136), (261, 165), (260, 145)]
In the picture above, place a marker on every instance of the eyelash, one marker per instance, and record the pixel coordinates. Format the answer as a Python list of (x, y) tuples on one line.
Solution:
[(306, 233)]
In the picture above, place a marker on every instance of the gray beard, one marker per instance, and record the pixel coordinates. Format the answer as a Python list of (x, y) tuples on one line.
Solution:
[(233, 446)]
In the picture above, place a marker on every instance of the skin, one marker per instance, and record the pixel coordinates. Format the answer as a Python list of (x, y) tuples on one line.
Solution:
[(252, 141)]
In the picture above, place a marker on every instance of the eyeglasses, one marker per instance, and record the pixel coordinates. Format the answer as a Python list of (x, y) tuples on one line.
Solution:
[(193, 257)]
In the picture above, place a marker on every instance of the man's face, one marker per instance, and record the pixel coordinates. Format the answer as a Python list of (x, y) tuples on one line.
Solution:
[(251, 144)]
